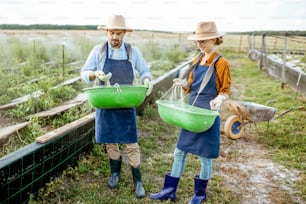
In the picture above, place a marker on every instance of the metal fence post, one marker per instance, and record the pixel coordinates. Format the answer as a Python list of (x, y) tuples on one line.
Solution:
[(249, 42), (284, 60), (263, 51), (254, 45), (63, 46)]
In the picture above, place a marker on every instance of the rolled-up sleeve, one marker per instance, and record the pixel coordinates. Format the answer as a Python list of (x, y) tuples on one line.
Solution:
[(140, 64), (91, 63), (223, 82), (96, 61)]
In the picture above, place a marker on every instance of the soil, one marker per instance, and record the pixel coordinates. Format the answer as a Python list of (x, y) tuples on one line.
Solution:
[(248, 170), (255, 178), (5, 121)]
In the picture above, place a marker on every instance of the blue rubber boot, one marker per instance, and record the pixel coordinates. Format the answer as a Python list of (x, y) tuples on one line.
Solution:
[(169, 189), (199, 190)]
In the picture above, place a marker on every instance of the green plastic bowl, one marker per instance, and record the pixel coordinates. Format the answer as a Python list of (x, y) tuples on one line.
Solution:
[(183, 115), (124, 96)]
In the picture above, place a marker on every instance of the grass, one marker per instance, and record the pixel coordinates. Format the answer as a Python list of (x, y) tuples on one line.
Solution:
[(87, 183), (285, 138), (286, 135), (54, 95)]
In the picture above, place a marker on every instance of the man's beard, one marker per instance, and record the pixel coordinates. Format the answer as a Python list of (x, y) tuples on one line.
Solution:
[(115, 43)]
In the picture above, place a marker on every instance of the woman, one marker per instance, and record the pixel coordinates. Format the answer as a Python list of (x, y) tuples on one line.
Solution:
[(205, 144)]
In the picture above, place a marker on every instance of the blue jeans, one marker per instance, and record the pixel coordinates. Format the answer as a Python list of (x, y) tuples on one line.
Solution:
[(179, 165)]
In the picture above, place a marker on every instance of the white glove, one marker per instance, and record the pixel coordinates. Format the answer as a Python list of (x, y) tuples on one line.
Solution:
[(216, 103), (147, 82), (180, 82), (102, 76)]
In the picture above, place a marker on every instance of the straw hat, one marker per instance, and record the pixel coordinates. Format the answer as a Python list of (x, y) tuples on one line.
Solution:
[(115, 22), (206, 31)]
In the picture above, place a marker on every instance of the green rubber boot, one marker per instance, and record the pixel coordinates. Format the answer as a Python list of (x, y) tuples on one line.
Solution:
[(139, 189), (115, 173)]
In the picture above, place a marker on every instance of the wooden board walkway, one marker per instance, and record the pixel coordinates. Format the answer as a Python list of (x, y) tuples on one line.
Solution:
[(78, 100), (35, 94), (7, 131), (66, 128), (22, 99)]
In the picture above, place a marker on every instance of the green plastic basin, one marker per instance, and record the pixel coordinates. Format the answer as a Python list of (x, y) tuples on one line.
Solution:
[(183, 115), (124, 96)]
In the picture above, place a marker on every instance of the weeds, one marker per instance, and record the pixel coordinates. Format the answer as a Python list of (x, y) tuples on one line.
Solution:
[(86, 183), (157, 141)]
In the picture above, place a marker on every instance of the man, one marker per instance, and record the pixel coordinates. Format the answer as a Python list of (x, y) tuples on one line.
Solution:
[(117, 62)]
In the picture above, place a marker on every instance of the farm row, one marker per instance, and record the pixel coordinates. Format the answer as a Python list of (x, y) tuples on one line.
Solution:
[(162, 51), (40, 95), (40, 71)]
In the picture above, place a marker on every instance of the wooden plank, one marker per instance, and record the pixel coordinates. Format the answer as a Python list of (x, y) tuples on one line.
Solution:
[(64, 129), (35, 94), (75, 63), (79, 99), (5, 132), (22, 99), (71, 81), (56, 110)]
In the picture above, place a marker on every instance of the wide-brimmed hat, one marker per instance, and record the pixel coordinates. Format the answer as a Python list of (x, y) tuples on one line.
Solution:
[(115, 22), (205, 31)]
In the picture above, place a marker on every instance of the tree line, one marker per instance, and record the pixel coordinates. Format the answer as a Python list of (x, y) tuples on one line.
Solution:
[(47, 27), (94, 27), (273, 33)]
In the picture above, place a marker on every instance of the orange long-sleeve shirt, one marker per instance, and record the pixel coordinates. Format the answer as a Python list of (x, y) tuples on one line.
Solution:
[(223, 75)]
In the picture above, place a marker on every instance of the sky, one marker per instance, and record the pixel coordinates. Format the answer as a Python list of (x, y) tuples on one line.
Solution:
[(163, 15)]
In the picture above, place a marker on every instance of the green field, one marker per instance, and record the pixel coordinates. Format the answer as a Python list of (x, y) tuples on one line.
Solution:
[(30, 57)]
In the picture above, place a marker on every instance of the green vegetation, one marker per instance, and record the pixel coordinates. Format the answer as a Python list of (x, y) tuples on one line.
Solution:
[(21, 65), (40, 71), (286, 134), (26, 63), (276, 33), (47, 27), (285, 139), (304, 59), (86, 183), (94, 27)]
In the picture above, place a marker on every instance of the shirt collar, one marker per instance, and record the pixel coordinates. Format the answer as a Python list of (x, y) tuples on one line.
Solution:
[(112, 49), (211, 58)]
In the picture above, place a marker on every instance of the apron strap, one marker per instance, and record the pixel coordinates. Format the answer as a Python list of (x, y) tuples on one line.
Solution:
[(128, 48), (207, 77), (103, 51), (186, 73), (208, 73)]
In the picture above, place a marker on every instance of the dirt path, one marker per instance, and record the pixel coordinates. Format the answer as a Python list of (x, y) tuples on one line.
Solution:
[(250, 173), (248, 170)]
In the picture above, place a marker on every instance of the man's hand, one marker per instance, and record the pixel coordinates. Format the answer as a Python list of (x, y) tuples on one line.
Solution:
[(102, 76), (216, 103), (147, 82)]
